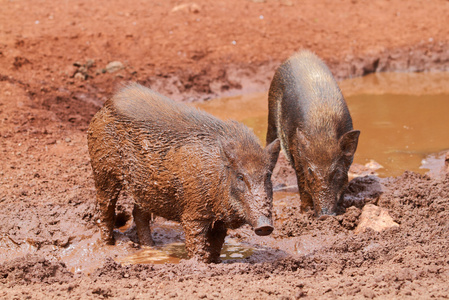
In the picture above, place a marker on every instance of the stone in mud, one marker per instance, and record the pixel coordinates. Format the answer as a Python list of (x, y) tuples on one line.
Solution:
[(114, 66), (187, 7), (370, 168), (308, 113), (181, 164), (376, 218)]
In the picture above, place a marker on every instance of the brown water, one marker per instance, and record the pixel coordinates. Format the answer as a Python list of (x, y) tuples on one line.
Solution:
[(400, 131), (402, 118), (174, 252)]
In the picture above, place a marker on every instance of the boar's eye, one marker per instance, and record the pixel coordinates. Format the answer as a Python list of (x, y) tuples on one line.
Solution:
[(310, 171), (240, 177)]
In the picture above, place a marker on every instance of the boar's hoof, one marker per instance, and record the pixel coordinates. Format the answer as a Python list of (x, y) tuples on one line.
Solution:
[(263, 226), (109, 240)]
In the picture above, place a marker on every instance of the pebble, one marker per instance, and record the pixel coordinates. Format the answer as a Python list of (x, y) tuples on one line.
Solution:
[(79, 76), (114, 66), (187, 7)]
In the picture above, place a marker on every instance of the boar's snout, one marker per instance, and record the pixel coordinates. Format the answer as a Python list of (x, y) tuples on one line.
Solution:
[(263, 226), (325, 203), (326, 212)]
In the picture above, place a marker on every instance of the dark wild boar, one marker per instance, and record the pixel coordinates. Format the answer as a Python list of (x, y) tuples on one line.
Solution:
[(308, 113), (181, 164)]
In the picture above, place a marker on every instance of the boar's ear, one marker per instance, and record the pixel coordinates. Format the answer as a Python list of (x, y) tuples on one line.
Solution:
[(272, 151), (228, 149), (348, 142)]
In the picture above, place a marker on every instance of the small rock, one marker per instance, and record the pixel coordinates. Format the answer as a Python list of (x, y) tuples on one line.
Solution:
[(373, 165), (90, 63), (68, 140), (114, 66), (79, 76), (187, 7), (357, 170), (376, 218)]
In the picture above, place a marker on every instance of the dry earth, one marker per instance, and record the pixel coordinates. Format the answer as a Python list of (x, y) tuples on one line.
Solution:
[(55, 73)]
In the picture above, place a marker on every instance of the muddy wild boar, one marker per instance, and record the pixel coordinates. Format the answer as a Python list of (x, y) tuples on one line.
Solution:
[(181, 164), (309, 115)]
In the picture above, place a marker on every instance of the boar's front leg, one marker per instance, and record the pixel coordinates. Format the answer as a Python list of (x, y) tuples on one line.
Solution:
[(215, 238), (204, 240), (142, 219)]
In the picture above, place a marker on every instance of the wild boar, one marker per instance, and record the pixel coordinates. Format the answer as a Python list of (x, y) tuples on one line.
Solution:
[(309, 115), (181, 164)]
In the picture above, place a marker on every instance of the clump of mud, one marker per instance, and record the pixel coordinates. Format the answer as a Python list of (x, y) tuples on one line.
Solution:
[(33, 269), (361, 190)]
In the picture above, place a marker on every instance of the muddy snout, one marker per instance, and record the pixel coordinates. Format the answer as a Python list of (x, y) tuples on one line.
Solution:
[(325, 212), (263, 226)]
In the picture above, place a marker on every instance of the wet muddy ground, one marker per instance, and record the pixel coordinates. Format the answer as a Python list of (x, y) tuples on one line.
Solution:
[(55, 73)]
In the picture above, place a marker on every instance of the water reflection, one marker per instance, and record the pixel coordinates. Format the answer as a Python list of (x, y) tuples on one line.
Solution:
[(174, 252)]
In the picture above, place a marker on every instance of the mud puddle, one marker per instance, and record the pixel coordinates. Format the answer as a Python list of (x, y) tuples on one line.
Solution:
[(402, 117), (174, 252), (89, 252), (84, 256)]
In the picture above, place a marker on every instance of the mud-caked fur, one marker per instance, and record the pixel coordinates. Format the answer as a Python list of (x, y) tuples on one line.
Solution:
[(181, 164), (308, 113)]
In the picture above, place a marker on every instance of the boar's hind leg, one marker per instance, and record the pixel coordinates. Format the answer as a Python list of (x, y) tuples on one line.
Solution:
[(204, 241), (272, 129), (108, 189), (142, 219)]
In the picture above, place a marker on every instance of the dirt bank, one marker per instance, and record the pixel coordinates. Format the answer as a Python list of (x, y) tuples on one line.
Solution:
[(55, 73)]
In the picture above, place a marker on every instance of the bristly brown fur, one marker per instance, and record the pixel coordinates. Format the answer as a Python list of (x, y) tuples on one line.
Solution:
[(308, 113), (178, 163)]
